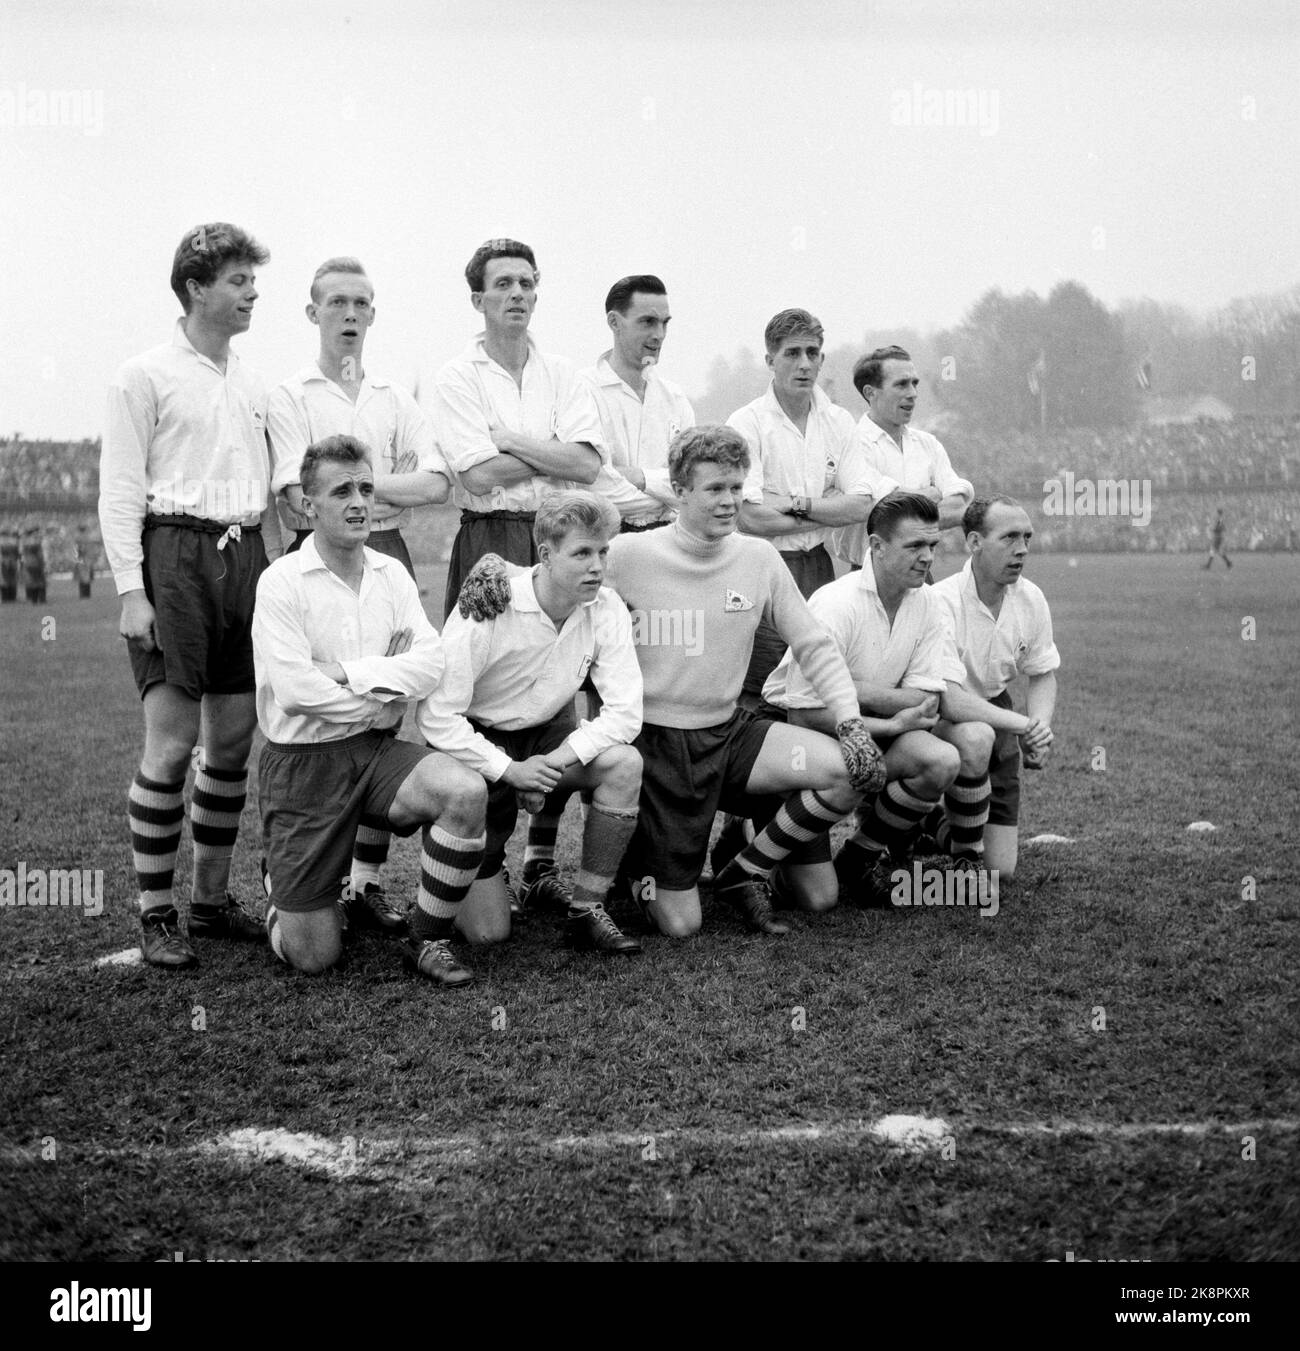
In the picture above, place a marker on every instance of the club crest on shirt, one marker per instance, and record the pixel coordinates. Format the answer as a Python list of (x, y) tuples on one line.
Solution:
[(735, 602)]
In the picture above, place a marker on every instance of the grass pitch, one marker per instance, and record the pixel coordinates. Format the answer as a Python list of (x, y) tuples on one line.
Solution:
[(713, 1099)]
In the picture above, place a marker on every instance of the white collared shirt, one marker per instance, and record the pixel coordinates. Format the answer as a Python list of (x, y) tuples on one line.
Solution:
[(307, 614), (823, 460), (518, 670), (385, 418), (182, 437), (922, 462), (474, 394), (637, 432), (914, 653), (1018, 641)]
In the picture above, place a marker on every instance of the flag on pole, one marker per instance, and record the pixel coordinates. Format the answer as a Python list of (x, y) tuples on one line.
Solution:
[(1036, 373)]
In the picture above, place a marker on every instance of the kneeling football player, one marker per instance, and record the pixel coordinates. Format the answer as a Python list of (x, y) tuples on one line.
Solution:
[(341, 644), (1002, 627), (697, 591), (890, 628), (504, 708)]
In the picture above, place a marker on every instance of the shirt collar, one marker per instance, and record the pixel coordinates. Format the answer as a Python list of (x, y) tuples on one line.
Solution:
[(876, 432), (606, 375), (314, 372), (771, 404), (309, 559), (477, 350), (181, 339), (524, 596)]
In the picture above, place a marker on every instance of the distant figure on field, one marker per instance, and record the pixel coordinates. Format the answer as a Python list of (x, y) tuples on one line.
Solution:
[(33, 550), (9, 562), (83, 569), (1217, 532)]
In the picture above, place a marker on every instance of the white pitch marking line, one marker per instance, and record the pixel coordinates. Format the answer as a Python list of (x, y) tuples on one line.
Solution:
[(127, 957), (343, 1155)]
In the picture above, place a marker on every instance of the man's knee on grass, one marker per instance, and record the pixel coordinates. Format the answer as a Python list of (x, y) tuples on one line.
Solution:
[(484, 914), (815, 887), (676, 914), (311, 941), (1001, 850)]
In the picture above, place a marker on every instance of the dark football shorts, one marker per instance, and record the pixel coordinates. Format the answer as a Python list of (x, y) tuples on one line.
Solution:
[(1004, 773), (687, 776), (203, 607), (508, 534), (503, 805), (313, 796)]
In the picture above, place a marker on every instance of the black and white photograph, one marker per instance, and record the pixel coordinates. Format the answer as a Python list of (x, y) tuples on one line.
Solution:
[(650, 634)]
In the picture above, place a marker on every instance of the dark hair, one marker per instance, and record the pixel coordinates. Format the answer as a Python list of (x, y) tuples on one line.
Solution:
[(621, 293), (896, 507), (870, 369), (330, 450), (476, 268), (711, 443), (205, 250), (786, 324), (975, 515)]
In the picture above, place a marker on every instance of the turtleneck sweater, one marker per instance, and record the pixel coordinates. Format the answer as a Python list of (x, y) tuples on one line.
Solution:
[(696, 605)]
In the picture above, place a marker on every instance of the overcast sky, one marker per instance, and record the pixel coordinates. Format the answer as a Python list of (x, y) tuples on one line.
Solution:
[(754, 154)]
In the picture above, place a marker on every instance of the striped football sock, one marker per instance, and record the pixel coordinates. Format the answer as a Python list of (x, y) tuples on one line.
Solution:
[(369, 854), (156, 812), (215, 808), (448, 865), (539, 847), (966, 809), (893, 820), (801, 819)]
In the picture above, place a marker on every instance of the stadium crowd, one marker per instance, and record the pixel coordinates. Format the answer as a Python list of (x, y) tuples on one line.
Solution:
[(1207, 454)]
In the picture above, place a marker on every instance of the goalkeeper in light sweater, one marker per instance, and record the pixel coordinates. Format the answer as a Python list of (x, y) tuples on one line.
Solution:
[(696, 592)]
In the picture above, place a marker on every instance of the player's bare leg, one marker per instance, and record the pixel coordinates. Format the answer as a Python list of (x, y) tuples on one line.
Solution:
[(1001, 850)]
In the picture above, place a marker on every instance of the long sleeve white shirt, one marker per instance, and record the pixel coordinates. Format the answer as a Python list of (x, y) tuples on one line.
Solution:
[(915, 652), (518, 670), (996, 648), (473, 395), (824, 459), (637, 432), (921, 462), (306, 614), (384, 418), (181, 437)]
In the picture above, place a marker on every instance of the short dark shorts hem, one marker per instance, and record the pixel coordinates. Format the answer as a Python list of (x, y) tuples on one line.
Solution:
[(688, 775), (313, 797)]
